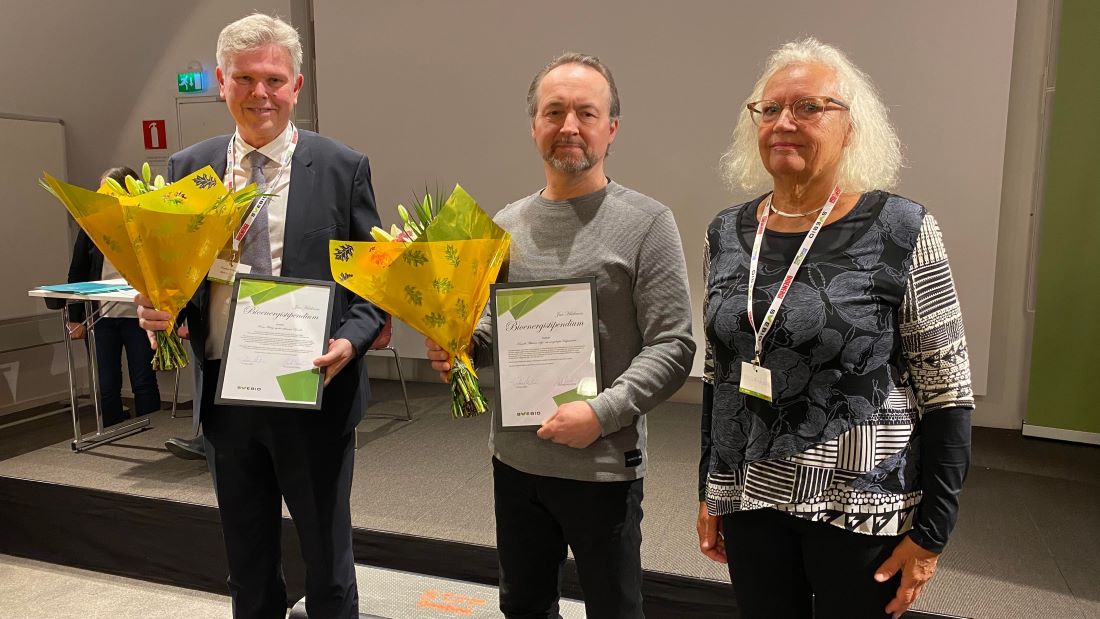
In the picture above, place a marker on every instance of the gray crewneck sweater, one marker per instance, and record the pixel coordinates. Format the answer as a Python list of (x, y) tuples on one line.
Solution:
[(630, 243)]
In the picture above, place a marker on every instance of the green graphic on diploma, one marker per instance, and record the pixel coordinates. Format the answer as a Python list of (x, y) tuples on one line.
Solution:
[(261, 291), (546, 348), (299, 386), (277, 328)]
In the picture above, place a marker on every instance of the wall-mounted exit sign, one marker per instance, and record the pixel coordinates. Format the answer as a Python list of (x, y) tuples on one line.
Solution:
[(191, 82)]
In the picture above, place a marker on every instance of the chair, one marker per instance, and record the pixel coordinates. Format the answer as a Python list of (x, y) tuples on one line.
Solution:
[(176, 388), (176, 397), (382, 343)]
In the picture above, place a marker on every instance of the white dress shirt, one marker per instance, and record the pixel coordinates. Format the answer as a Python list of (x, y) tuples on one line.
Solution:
[(220, 294), (113, 309)]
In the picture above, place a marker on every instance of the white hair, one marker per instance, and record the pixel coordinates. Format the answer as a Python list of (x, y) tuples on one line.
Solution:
[(256, 31), (872, 158)]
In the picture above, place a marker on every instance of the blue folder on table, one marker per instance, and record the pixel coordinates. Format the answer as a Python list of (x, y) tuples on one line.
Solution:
[(86, 288)]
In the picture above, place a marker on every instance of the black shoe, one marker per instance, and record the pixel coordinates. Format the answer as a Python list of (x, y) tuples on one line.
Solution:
[(188, 450)]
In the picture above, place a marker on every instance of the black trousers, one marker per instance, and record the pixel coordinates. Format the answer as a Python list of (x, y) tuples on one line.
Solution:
[(782, 566), (259, 457), (538, 517), (111, 336)]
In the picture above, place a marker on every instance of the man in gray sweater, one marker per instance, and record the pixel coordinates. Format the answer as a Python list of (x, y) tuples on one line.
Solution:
[(577, 481)]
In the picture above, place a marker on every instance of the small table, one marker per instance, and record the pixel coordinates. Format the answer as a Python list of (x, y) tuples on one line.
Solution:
[(101, 436)]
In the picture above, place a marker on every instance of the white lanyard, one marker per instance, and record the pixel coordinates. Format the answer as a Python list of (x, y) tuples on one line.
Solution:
[(799, 258), (259, 203)]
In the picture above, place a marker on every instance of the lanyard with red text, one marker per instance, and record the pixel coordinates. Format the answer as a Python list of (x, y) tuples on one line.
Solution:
[(799, 258), (259, 203), (756, 380)]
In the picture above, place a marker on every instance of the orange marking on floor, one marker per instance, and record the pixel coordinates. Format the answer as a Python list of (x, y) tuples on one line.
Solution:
[(447, 602)]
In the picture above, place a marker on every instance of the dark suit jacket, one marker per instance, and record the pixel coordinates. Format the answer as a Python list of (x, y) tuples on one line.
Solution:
[(330, 198), (86, 266)]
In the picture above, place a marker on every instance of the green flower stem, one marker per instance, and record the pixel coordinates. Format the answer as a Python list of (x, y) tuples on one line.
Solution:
[(169, 354), (466, 397)]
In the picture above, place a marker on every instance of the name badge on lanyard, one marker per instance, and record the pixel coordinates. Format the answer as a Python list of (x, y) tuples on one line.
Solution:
[(224, 270), (756, 379), (228, 263)]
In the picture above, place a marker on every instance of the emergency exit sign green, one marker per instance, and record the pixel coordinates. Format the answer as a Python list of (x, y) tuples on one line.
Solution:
[(191, 82)]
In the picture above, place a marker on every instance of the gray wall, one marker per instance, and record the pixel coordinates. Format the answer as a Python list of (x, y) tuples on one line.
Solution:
[(104, 85), (433, 90), (1005, 401)]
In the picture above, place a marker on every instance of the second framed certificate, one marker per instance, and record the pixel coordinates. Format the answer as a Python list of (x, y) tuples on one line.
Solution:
[(546, 348), (277, 327)]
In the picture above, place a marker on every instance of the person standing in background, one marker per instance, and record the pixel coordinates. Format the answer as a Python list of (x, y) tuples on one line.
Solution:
[(116, 329)]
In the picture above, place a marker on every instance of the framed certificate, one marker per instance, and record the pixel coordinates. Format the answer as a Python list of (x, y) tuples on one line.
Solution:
[(546, 347), (277, 327)]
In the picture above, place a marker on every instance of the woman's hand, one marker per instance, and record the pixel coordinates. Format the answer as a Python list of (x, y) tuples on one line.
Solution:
[(441, 359), (709, 528), (916, 565), (76, 330)]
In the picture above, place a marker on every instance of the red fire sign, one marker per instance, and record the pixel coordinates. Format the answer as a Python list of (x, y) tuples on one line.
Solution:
[(153, 130)]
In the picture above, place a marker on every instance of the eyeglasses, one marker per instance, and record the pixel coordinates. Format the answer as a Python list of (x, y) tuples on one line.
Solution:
[(804, 110)]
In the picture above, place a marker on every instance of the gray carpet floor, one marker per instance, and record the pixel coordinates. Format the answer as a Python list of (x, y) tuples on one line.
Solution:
[(403, 595), (36, 590), (1026, 544)]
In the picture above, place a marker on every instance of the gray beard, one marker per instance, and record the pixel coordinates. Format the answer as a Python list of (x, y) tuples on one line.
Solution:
[(571, 165)]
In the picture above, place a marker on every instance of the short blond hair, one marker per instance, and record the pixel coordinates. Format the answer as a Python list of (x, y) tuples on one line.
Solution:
[(255, 31)]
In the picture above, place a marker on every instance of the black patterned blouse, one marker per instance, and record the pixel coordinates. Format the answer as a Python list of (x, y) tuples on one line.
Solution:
[(868, 340)]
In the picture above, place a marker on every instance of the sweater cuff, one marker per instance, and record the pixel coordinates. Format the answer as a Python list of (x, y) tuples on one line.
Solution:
[(604, 407)]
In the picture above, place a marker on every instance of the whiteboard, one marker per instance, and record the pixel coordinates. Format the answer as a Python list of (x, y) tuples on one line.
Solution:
[(434, 92), (35, 239)]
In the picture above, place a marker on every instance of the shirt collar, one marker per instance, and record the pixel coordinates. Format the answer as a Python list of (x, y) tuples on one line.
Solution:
[(273, 150)]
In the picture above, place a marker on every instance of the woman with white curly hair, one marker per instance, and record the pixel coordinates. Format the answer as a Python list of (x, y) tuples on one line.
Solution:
[(837, 399)]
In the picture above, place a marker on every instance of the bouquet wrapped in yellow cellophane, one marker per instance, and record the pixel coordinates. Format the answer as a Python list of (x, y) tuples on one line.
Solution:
[(435, 277), (162, 238)]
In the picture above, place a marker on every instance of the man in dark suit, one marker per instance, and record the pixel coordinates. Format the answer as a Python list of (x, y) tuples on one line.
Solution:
[(320, 190)]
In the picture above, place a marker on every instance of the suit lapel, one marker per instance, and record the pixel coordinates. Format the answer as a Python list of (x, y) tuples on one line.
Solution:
[(298, 201), (219, 160)]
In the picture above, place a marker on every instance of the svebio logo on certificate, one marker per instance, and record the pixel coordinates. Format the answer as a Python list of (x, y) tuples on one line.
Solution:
[(546, 348), (277, 327)]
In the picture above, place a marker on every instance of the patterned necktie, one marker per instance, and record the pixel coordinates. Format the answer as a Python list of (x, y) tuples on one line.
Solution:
[(256, 245)]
